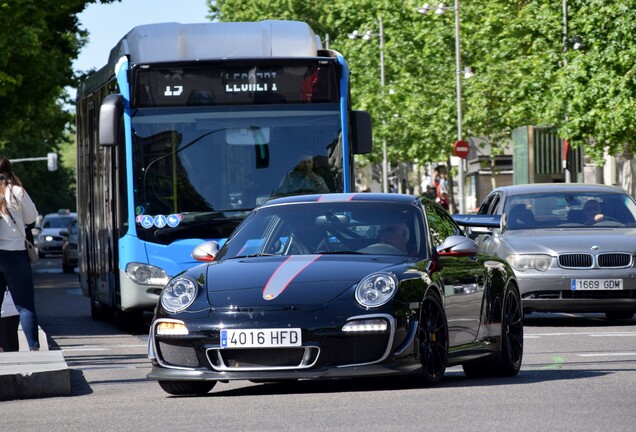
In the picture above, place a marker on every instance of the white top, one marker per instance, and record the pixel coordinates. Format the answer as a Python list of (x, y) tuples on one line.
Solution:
[(23, 211), (8, 307)]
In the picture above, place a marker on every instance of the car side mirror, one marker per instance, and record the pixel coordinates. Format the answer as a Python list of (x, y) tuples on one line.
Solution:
[(457, 246), (206, 252)]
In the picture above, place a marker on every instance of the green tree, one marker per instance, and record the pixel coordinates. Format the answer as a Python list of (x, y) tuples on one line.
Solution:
[(522, 76), (38, 44)]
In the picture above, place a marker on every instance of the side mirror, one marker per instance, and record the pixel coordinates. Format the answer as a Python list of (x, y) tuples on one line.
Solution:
[(457, 246), (206, 252), (110, 118), (362, 137)]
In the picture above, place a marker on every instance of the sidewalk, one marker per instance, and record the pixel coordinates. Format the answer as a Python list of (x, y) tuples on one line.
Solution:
[(25, 374)]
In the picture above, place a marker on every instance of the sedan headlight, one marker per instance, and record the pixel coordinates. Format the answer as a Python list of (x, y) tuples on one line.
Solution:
[(179, 294), (146, 274), (376, 290), (529, 262)]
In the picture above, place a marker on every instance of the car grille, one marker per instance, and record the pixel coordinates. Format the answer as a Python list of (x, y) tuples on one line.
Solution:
[(587, 260), (263, 358), (327, 351), (177, 353)]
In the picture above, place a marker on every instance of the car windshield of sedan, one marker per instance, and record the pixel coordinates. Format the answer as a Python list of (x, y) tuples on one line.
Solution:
[(351, 227), (569, 210)]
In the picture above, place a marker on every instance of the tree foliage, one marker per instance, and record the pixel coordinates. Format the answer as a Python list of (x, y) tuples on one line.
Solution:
[(38, 43), (523, 75)]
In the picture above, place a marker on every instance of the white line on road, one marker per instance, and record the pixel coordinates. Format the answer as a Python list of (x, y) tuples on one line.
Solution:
[(617, 354)]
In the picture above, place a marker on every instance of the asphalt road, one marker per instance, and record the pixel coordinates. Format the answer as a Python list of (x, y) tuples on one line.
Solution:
[(578, 375)]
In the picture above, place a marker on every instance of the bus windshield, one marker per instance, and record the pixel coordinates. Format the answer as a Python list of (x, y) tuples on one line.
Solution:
[(202, 169)]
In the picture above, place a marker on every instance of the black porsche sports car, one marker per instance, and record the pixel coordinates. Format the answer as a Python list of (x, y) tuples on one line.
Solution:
[(337, 285)]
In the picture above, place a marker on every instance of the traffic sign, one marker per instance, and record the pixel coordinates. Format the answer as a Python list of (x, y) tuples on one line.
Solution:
[(461, 149)]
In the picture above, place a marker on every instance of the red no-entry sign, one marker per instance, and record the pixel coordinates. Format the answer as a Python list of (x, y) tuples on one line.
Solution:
[(461, 149)]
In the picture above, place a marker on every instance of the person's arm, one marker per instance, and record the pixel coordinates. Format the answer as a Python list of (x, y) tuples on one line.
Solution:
[(28, 209)]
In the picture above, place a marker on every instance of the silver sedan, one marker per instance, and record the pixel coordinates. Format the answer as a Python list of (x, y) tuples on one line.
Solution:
[(572, 246)]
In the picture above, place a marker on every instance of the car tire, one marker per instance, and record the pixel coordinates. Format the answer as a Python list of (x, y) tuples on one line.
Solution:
[(99, 312), (619, 315), (508, 362), (433, 340), (66, 268), (182, 388)]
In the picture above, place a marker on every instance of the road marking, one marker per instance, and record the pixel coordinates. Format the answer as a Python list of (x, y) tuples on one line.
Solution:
[(597, 334), (104, 347), (609, 354)]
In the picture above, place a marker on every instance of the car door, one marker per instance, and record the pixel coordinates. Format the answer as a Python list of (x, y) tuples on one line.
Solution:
[(463, 278)]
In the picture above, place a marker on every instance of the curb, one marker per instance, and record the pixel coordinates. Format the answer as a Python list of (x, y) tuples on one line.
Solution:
[(33, 374), (25, 375)]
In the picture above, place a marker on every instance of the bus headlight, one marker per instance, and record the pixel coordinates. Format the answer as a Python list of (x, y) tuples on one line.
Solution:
[(146, 274), (178, 294)]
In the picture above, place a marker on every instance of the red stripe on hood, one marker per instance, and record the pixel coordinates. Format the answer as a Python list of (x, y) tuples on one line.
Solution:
[(285, 274)]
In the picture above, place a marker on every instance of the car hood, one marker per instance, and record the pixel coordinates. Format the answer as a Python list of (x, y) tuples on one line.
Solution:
[(572, 240), (297, 280), (50, 231)]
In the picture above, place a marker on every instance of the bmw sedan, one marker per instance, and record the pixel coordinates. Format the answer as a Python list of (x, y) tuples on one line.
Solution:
[(572, 246), (335, 286), (49, 239)]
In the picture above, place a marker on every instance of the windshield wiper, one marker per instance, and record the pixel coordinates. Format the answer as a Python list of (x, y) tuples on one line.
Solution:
[(254, 255), (340, 253)]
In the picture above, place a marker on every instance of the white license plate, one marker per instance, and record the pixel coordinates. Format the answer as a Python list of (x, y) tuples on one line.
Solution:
[(261, 338), (596, 284)]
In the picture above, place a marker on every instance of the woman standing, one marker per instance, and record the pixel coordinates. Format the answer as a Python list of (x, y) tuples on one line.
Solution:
[(17, 210)]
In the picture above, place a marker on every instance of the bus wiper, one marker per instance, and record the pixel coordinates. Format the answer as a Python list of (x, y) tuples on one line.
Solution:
[(227, 225)]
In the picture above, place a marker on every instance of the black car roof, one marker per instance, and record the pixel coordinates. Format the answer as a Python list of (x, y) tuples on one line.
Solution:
[(342, 197)]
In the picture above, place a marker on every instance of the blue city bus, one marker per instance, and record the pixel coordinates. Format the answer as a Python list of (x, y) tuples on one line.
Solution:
[(185, 130)]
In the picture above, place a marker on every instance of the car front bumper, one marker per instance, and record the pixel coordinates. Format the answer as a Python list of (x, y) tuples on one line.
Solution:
[(554, 293), (326, 352)]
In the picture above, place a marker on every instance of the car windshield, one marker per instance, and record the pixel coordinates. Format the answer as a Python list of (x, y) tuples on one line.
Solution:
[(329, 228), (57, 221), (569, 209)]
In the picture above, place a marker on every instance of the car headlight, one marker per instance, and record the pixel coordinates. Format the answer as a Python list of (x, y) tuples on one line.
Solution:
[(179, 294), (529, 262), (146, 274), (376, 290)]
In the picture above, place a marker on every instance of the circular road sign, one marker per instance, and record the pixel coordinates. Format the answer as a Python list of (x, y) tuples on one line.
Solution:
[(461, 149)]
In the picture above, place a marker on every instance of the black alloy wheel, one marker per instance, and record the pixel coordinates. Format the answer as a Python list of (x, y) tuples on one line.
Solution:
[(507, 361), (433, 343), (511, 333)]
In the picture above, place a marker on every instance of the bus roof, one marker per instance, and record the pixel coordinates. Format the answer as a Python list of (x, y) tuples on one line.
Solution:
[(170, 42)]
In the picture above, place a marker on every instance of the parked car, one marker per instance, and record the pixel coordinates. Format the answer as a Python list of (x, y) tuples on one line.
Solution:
[(572, 246), (334, 286), (49, 238), (69, 247)]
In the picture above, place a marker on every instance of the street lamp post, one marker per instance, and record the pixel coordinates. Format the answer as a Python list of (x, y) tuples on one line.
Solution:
[(440, 9), (368, 35)]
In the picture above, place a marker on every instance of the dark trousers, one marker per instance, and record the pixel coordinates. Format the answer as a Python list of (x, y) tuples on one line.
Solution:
[(9, 333)]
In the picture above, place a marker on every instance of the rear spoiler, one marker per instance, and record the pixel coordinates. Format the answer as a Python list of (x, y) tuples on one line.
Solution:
[(471, 220)]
